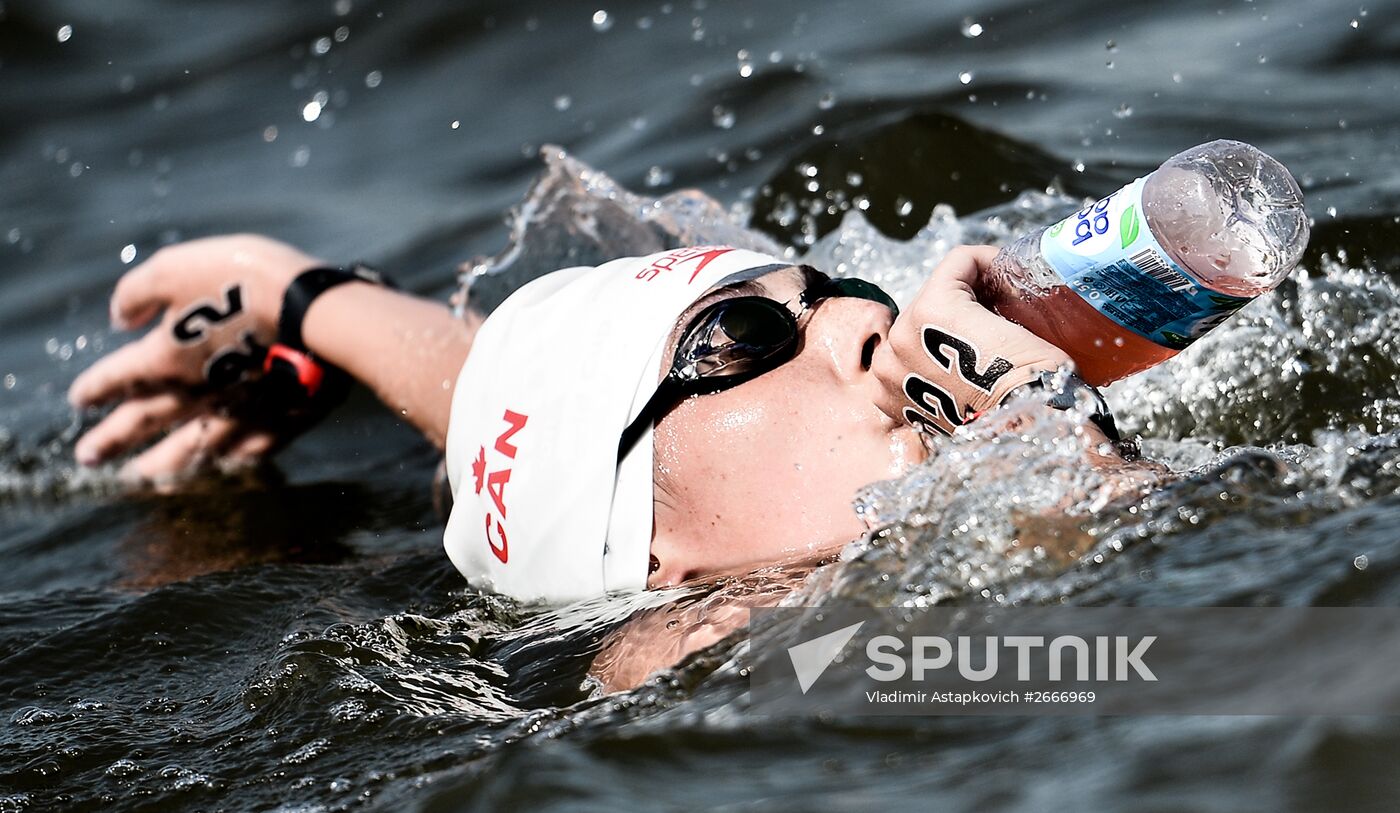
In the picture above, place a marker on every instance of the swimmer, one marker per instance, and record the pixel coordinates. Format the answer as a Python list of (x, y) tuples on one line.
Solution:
[(653, 421)]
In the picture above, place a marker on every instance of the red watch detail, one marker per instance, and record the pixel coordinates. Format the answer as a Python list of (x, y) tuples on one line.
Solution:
[(309, 371)]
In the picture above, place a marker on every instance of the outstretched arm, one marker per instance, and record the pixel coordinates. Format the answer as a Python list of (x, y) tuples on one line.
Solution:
[(219, 299)]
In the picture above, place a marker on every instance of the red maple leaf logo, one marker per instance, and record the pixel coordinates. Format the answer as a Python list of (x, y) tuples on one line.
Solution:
[(479, 469)]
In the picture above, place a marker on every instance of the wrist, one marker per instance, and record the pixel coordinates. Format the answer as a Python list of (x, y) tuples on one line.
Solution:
[(269, 268), (306, 290), (269, 289)]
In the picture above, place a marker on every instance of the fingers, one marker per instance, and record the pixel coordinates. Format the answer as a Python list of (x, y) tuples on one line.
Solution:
[(130, 425), (146, 362), (142, 292), (249, 448), (957, 274), (183, 451)]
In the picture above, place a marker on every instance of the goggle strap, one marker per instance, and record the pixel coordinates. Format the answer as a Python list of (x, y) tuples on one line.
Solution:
[(665, 393)]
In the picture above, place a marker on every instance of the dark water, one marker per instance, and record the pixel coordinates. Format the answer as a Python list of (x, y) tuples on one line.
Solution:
[(296, 640)]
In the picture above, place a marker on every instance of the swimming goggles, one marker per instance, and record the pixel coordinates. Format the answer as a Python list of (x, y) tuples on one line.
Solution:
[(738, 339)]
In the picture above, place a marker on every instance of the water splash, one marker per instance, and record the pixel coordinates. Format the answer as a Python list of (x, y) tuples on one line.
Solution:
[(575, 215)]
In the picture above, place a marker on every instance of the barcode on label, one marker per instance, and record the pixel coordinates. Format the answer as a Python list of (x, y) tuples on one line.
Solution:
[(1151, 264)]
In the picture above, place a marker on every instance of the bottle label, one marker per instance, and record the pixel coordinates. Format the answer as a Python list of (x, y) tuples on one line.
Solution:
[(1108, 255)]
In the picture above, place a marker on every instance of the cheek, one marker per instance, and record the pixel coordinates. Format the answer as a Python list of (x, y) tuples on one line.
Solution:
[(783, 460), (697, 443)]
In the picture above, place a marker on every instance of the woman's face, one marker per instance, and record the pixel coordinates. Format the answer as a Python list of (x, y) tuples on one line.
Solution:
[(766, 471)]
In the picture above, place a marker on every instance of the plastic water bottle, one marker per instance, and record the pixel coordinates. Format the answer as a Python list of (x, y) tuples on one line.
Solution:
[(1130, 281)]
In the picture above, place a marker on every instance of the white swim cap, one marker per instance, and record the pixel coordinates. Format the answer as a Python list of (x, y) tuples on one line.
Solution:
[(542, 511)]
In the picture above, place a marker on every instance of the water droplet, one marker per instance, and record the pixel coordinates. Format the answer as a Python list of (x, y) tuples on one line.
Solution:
[(563, 102), (128, 253), (827, 101), (342, 34), (311, 111), (1108, 64), (1111, 47), (903, 206), (656, 176), (10, 381), (1331, 211), (1263, 59), (301, 156), (270, 133), (644, 23), (373, 78), (65, 32), (723, 117), (1176, 77), (1123, 111), (965, 77), (1355, 23), (456, 124), (343, 7), (321, 46), (1078, 166), (970, 28), (854, 179), (1361, 562), (602, 21)]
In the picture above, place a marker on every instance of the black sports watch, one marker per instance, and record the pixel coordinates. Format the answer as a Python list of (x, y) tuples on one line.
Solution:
[(300, 382)]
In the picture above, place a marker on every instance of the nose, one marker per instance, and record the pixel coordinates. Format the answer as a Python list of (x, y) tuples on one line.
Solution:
[(846, 332)]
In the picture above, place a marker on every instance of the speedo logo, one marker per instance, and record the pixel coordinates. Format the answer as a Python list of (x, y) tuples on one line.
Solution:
[(693, 260)]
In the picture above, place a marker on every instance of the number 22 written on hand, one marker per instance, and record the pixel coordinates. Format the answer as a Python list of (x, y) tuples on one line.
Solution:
[(229, 365)]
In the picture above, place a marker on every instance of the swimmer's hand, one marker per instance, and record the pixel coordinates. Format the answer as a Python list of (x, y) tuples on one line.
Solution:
[(218, 300), (952, 358)]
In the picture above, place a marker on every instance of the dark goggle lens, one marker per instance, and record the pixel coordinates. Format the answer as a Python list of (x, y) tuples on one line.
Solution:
[(736, 337), (757, 323)]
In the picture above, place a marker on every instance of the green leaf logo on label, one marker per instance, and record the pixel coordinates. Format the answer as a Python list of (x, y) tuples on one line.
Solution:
[(1128, 227), (1056, 229), (1227, 302), (1175, 340)]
